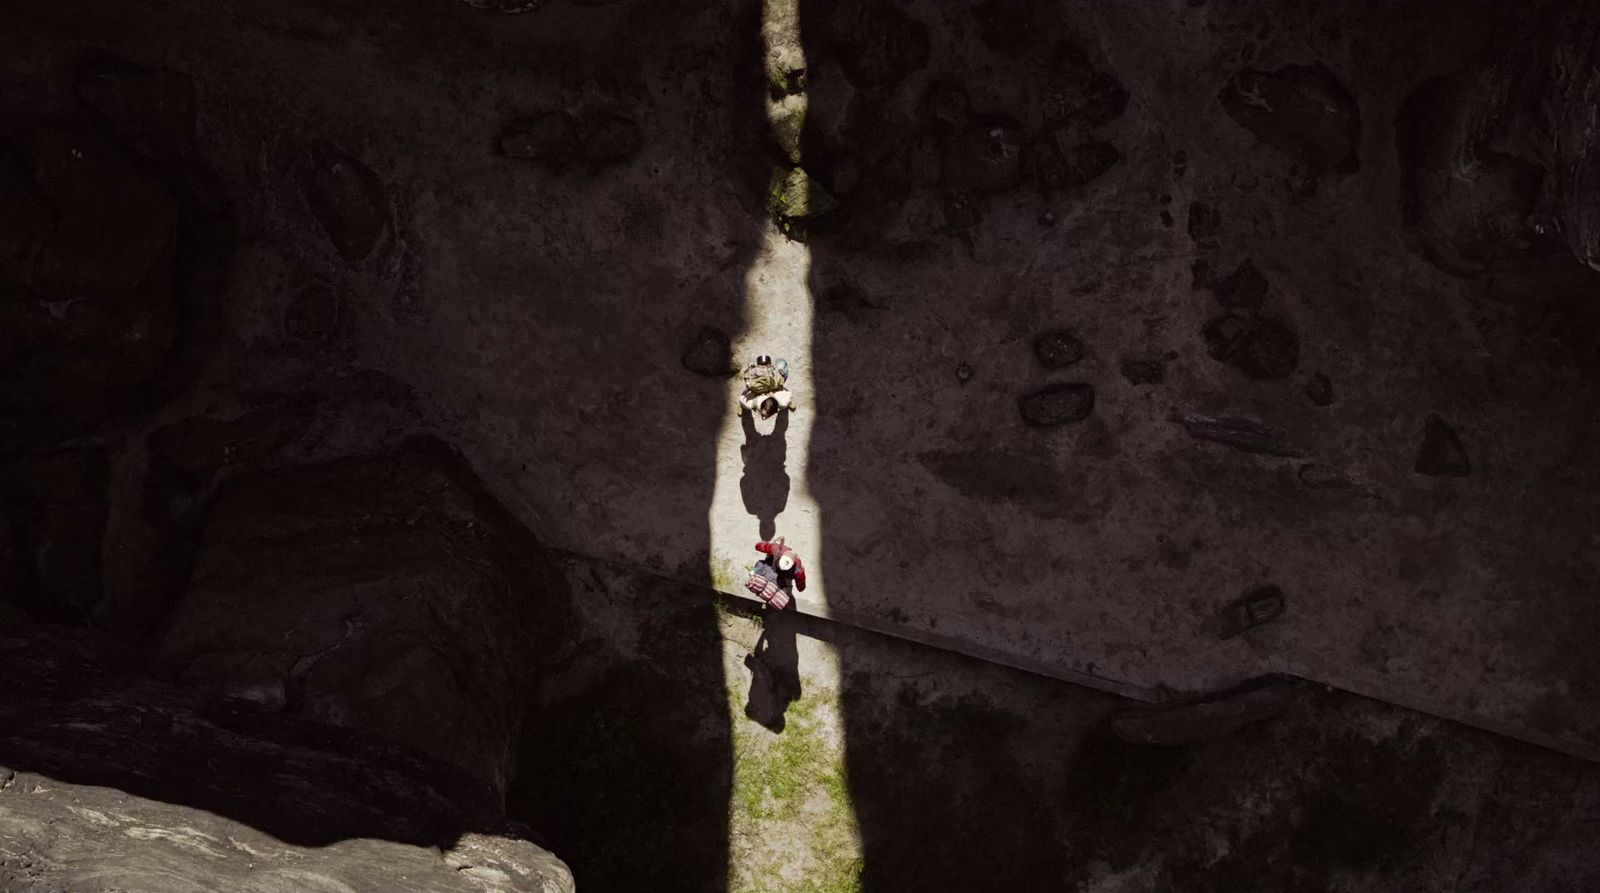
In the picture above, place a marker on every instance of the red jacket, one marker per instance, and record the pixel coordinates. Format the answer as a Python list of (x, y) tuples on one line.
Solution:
[(775, 550)]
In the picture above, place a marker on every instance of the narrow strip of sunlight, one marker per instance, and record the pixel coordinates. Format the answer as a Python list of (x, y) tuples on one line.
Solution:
[(789, 786), (778, 315)]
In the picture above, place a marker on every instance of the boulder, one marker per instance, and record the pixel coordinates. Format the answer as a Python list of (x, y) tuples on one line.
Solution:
[(112, 780), (387, 593), (796, 195), (787, 119)]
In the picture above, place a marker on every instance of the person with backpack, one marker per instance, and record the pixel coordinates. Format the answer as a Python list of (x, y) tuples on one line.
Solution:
[(771, 577), (766, 388)]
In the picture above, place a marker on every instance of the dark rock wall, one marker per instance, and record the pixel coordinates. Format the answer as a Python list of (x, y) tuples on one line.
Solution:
[(246, 238), (214, 276)]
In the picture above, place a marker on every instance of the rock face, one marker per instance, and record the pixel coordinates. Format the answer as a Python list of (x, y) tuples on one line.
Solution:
[(1300, 110), (57, 506), (1057, 404), (558, 140), (386, 593), (348, 201), (1441, 453), (1261, 347), (1548, 90), (150, 110), (110, 780), (507, 6), (709, 353), (1500, 159), (88, 312), (1468, 204), (1245, 288), (984, 159), (878, 44), (1245, 435), (1057, 349), (1199, 723), (1142, 372), (914, 165)]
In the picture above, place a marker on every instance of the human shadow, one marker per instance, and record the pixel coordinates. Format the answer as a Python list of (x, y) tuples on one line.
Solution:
[(774, 665), (765, 482)]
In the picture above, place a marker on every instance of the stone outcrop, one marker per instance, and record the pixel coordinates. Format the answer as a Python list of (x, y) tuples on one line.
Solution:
[(386, 593), (110, 780), (1500, 160)]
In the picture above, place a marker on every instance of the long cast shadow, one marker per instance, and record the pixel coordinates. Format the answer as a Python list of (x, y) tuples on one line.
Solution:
[(764, 485)]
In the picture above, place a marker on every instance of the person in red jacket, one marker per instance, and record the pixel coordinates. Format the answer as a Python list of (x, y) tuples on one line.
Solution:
[(771, 577)]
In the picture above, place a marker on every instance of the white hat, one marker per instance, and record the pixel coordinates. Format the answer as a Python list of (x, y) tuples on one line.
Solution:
[(785, 562)]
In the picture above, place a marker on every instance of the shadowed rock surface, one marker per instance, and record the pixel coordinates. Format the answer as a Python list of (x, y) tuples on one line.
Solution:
[(348, 201), (150, 109), (386, 593), (1300, 110), (111, 780), (1327, 268)]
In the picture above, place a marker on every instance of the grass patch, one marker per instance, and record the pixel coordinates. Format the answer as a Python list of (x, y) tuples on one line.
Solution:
[(726, 574), (771, 777), (791, 788)]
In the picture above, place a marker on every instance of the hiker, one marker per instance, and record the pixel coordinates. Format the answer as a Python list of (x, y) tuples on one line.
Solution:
[(766, 388), (771, 577)]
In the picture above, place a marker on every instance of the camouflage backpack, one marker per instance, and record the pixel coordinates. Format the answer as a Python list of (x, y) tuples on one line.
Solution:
[(763, 379)]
